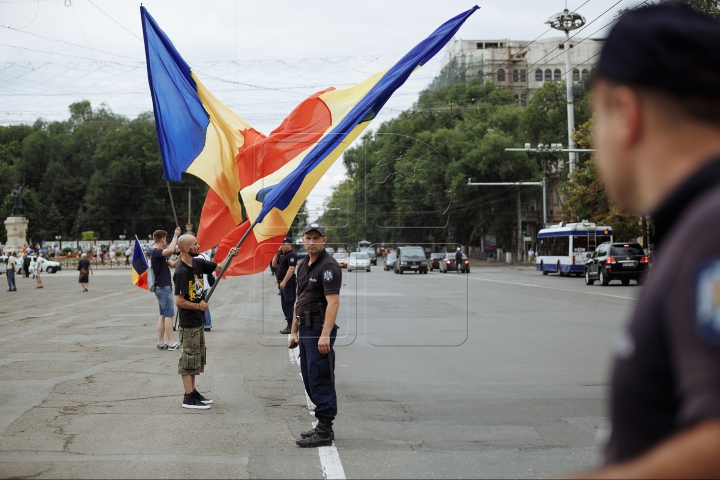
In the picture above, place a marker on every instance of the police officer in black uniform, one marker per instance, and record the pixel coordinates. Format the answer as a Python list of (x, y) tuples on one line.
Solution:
[(656, 100), (318, 299), (285, 261)]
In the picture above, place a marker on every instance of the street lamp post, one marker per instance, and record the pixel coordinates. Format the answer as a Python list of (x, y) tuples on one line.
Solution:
[(567, 21)]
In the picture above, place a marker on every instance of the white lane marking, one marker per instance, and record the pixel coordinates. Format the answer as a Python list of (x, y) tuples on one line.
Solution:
[(491, 280), (329, 456)]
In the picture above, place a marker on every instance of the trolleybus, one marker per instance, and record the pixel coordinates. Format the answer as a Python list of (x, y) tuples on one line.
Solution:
[(563, 248)]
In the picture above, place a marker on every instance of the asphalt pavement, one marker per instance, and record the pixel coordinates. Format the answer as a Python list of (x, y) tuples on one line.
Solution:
[(499, 373)]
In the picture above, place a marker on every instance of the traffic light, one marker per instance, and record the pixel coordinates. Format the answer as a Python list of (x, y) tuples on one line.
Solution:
[(524, 229)]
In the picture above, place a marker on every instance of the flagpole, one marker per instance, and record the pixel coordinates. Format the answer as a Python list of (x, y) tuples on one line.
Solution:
[(173, 204), (227, 265)]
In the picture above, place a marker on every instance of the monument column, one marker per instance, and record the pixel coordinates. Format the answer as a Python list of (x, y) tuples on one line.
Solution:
[(16, 232)]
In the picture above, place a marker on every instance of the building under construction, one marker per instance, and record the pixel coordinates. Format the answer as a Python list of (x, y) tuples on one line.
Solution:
[(520, 65)]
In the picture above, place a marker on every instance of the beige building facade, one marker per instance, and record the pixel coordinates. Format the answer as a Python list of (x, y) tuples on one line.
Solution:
[(520, 65)]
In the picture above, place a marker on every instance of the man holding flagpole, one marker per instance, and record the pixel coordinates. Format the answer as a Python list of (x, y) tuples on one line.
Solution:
[(190, 300)]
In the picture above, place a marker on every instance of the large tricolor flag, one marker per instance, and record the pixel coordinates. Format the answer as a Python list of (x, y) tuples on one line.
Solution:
[(272, 201), (139, 267), (196, 132)]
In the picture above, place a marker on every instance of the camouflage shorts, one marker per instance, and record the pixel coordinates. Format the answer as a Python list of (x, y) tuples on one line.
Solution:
[(193, 355)]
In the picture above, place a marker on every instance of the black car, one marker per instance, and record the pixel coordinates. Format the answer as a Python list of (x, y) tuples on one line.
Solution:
[(410, 258), (434, 260), (370, 253), (617, 261), (389, 261)]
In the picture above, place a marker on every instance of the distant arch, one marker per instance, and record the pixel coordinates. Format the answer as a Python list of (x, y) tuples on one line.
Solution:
[(538, 75), (501, 75), (557, 75), (576, 75), (548, 75)]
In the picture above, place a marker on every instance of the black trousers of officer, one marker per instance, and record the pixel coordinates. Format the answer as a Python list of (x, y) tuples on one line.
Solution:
[(287, 299), (315, 368)]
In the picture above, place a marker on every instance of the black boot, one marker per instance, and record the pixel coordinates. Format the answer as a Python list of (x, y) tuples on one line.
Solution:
[(320, 436)]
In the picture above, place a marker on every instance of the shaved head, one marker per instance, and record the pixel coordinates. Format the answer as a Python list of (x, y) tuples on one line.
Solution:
[(186, 240)]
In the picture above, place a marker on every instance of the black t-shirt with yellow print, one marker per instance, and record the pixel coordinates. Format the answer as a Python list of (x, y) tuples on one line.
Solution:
[(189, 283)]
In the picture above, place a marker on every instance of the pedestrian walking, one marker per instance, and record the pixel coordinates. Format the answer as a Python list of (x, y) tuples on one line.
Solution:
[(190, 300), (38, 270), (85, 270), (656, 107), (11, 271), (319, 279), (285, 261), (26, 265), (161, 263)]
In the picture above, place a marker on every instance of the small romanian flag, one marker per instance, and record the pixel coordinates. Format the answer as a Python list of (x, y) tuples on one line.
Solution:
[(139, 267)]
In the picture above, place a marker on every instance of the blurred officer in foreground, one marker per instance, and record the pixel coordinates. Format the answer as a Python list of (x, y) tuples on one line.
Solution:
[(656, 100), (318, 299)]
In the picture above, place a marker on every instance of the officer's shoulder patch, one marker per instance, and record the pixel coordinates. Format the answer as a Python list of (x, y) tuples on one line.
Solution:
[(327, 275), (707, 301), (292, 260)]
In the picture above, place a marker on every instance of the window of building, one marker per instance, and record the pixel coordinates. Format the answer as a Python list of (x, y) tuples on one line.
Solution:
[(523, 99), (516, 75), (492, 45), (585, 73), (557, 74), (548, 75), (479, 45), (538, 75), (501, 75), (522, 75), (576, 75)]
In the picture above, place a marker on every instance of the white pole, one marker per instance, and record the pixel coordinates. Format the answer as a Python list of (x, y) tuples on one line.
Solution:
[(570, 109)]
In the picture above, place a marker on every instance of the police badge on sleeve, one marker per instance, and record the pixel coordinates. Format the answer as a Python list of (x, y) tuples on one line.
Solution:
[(707, 309), (327, 276)]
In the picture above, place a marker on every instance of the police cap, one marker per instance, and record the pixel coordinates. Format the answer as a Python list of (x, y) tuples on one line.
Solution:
[(670, 47), (287, 240), (314, 226)]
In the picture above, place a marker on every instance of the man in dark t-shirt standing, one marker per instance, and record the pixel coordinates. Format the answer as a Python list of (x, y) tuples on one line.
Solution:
[(285, 261), (160, 264), (190, 300)]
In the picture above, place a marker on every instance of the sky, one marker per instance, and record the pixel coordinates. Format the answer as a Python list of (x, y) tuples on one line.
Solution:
[(259, 58)]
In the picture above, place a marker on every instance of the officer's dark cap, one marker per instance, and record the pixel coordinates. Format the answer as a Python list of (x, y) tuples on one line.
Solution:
[(287, 240), (669, 47), (314, 226)]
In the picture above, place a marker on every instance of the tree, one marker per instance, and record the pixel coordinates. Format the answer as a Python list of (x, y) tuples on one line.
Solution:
[(585, 197)]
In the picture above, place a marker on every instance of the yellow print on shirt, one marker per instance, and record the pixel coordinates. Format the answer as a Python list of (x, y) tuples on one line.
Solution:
[(195, 288)]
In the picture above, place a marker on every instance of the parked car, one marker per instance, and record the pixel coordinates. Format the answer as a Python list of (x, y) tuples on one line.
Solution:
[(3, 266), (434, 260), (358, 261), (410, 258), (49, 266), (370, 251), (448, 264), (330, 250), (389, 261), (341, 258), (301, 253), (616, 261)]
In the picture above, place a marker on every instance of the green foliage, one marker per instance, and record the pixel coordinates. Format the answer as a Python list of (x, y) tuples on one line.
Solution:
[(89, 236), (407, 182), (94, 171)]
